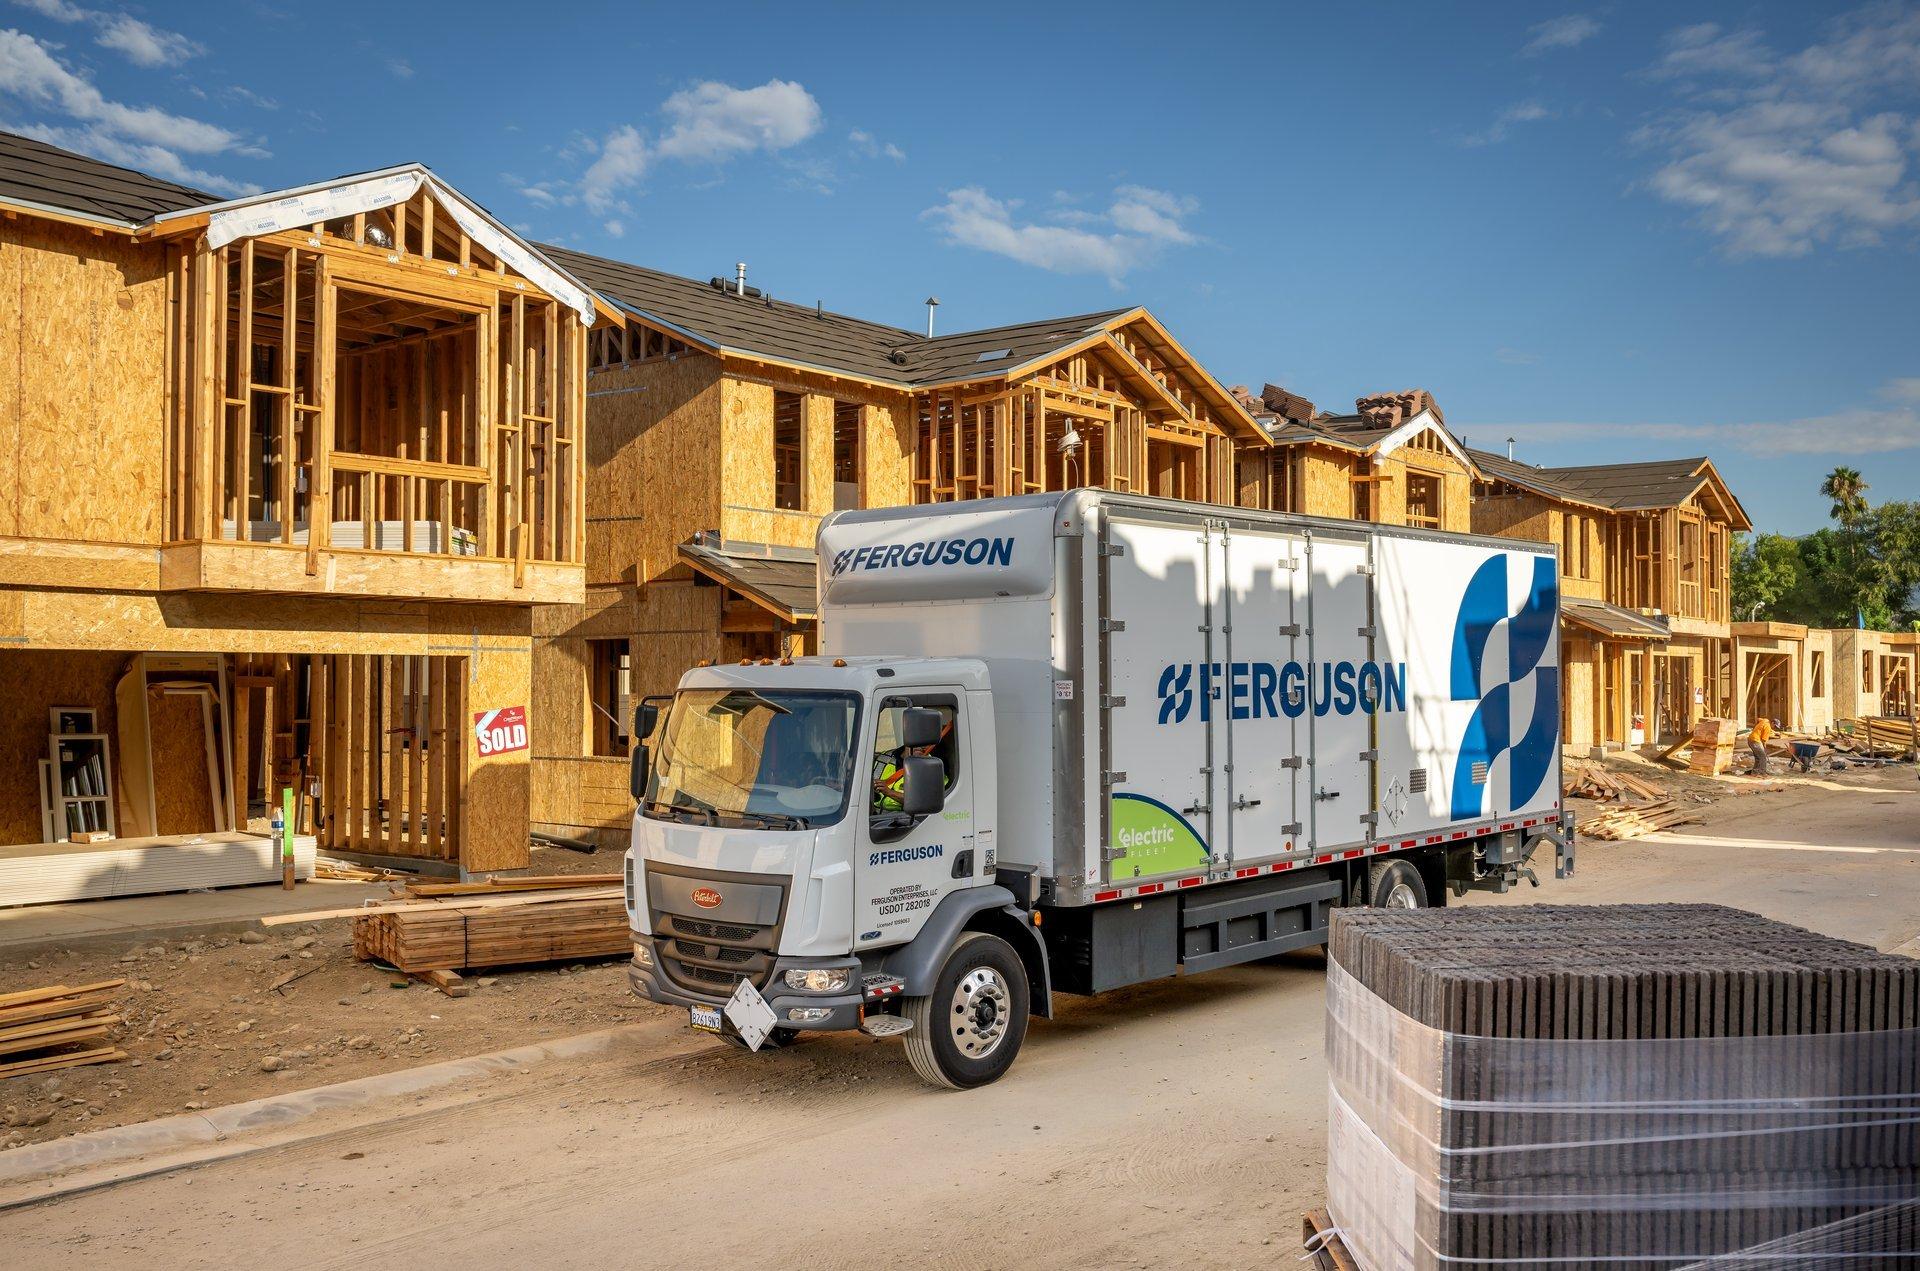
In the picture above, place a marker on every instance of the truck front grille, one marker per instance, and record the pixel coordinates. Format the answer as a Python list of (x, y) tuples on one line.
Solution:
[(711, 958)]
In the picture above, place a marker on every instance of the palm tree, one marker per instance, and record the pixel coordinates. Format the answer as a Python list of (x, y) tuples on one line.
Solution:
[(1848, 490)]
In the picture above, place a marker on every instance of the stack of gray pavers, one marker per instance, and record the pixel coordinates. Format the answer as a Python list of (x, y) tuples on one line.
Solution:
[(1619, 1087)]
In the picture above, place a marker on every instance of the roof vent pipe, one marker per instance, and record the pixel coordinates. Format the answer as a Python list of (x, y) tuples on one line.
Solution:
[(1509, 450), (933, 302), (740, 277)]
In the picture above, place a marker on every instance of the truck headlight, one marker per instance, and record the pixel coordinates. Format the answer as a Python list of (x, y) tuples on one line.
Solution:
[(820, 979), (642, 955)]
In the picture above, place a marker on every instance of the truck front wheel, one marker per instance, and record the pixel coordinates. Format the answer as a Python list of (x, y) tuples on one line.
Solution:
[(969, 1029)]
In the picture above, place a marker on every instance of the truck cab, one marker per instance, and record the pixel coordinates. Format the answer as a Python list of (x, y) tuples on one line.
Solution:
[(821, 830)]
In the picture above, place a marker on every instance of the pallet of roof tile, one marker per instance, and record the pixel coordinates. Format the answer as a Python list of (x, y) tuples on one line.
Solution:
[(1621, 1086)]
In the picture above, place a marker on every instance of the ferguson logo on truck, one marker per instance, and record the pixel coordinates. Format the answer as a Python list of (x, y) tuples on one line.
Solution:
[(899, 855), (1269, 690), (937, 551)]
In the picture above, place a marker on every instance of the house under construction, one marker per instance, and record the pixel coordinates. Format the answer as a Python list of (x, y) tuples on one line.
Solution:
[(282, 479)]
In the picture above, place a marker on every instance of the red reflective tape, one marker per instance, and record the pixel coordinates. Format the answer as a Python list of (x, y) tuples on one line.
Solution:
[(1247, 872), (1105, 895), (1352, 852), (1459, 834), (1506, 825), (1190, 882), (1321, 860), (1280, 865), (1409, 842), (1151, 888)]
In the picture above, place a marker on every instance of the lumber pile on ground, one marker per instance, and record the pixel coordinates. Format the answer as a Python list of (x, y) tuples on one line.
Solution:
[(1592, 781), (1630, 822), (447, 926), (1712, 746), (1616, 1086), (57, 1027), (1874, 736)]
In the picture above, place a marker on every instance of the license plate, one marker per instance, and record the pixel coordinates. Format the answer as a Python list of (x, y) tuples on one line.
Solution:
[(706, 1018)]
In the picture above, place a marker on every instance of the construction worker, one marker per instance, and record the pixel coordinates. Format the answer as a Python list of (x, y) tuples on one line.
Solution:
[(1757, 742)]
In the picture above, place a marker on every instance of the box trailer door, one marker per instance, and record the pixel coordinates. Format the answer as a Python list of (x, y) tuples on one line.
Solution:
[(1339, 727), (1159, 696), (1265, 702)]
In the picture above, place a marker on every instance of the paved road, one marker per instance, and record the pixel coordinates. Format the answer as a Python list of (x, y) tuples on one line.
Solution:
[(1179, 1122)]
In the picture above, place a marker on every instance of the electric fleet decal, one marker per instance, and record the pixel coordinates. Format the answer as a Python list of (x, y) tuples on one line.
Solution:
[(1153, 838), (1269, 690), (935, 551), (1530, 634)]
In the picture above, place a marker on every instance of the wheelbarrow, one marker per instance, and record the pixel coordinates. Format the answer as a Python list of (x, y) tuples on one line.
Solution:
[(1804, 753)]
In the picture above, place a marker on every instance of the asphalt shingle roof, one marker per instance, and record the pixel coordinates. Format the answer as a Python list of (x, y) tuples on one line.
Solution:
[(37, 173), (814, 337)]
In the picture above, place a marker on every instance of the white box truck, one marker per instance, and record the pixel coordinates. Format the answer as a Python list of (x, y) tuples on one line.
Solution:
[(1069, 742)]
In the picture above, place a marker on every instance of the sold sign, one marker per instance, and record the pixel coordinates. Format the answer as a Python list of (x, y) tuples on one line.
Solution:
[(500, 731)]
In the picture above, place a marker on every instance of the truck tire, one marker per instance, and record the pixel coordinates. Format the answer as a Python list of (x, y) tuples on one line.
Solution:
[(1395, 885), (967, 1032)]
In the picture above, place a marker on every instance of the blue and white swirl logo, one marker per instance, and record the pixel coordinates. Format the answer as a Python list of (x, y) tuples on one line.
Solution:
[(1529, 635)]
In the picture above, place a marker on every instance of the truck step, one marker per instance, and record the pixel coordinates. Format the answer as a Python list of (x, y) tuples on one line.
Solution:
[(879, 985), (885, 1025)]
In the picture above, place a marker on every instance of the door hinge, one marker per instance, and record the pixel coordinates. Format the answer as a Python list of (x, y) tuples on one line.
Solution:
[(1291, 761), (1291, 629), (1112, 624), (1370, 819), (1369, 756), (1112, 853), (1363, 569), (1112, 778), (1367, 633), (1290, 564), (1113, 549), (1109, 703), (1291, 827)]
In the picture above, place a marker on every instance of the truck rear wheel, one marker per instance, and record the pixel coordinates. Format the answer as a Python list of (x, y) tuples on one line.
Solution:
[(1395, 885), (967, 1032)]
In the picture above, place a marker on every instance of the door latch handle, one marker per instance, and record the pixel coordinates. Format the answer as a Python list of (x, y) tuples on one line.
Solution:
[(1241, 804), (1324, 793), (1195, 810)]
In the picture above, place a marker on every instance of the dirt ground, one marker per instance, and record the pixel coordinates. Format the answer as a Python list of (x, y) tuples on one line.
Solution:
[(1173, 1122)]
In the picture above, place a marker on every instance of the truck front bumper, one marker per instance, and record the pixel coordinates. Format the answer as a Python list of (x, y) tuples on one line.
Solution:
[(842, 1010)]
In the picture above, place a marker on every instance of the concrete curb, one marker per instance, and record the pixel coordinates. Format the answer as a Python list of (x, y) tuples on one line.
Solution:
[(47, 1171)]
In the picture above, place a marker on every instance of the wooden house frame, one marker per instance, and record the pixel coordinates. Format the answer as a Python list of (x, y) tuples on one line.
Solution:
[(1645, 554), (327, 444), (724, 424)]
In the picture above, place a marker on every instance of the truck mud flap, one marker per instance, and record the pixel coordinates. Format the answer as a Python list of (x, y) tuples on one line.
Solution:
[(1254, 919)]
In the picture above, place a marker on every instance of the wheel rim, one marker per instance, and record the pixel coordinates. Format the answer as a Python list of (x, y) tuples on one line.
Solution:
[(980, 1011), (1400, 896)]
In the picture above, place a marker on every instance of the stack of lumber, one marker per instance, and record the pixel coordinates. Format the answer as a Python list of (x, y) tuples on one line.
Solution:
[(1636, 820), (1712, 746), (49, 1028), (443, 926), (1873, 735), (1592, 781), (1636, 1086)]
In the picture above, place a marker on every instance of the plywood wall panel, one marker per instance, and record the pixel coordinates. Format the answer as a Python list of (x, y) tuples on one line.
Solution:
[(653, 464), (887, 432), (31, 682)]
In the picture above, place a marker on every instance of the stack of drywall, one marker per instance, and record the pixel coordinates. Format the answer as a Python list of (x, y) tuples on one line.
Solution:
[(43, 873), (1619, 1086)]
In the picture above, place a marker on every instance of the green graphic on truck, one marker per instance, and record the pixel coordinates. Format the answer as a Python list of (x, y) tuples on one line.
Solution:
[(1152, 838)]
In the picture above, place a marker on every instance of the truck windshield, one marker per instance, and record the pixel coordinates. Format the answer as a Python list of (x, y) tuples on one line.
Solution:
[(767, 759)]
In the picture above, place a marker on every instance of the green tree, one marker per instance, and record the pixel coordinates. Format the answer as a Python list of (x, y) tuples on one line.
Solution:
[(1848, 490), (1769, 580), (1894, 531)]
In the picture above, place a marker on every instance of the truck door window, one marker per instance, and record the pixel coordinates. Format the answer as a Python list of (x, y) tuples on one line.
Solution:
[(887, 751)]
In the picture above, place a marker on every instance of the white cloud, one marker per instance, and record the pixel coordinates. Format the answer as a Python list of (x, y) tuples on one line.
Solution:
[(1138, 224), (1902, 390), (1503, 124), (400, 68), (31, 74), (1858, 431), (621, 163), (714, 122), (58, 10), (1515, 357), (615, 229), (873, 148), (145, 45), (1560, 33), (1778, 155), (710, 123), (157, 160)]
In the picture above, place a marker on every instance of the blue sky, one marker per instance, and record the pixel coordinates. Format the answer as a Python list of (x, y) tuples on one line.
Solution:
[(1611, 232)]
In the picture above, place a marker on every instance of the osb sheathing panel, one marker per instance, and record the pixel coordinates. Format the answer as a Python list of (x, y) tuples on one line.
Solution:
[(746, 443), (1325, 485), (182, 797), (190, 623), (496, 805), (608, 612), (32, 682), (653, 464), (277, 568), (816, 441), (587, 792), (82, 384), (887, 432), (1519, 515), (559, 709), (1576, 662)]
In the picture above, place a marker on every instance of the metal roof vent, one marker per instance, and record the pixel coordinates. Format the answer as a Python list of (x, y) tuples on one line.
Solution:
[(994, 355)]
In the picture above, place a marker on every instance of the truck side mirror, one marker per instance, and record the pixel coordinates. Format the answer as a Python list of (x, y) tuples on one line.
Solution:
[(923, 785), (919, 728), (646, 717)]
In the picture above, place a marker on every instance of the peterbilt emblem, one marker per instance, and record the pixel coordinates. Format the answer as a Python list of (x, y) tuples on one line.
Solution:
[(706, 897)]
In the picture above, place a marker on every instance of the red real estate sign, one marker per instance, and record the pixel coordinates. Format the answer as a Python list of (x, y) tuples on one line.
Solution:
[(500, 731)]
